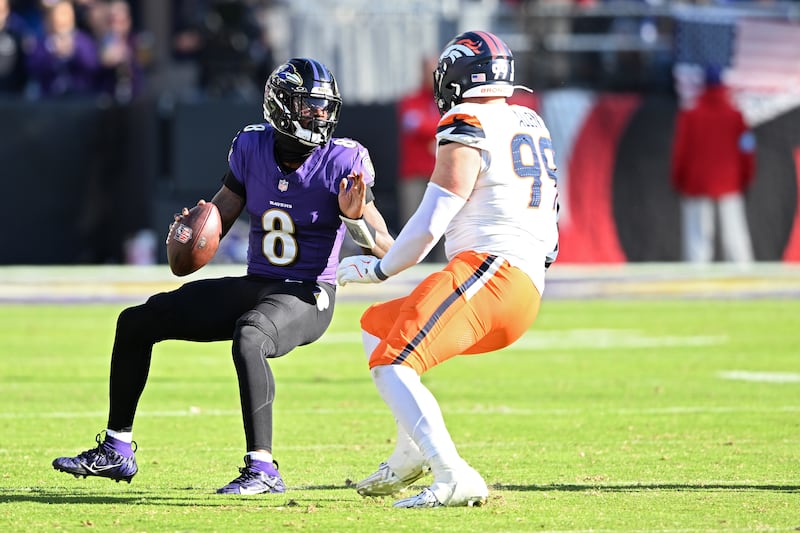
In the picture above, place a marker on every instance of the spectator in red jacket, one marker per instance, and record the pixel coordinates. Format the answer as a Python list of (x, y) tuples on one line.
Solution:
[(713, 163)]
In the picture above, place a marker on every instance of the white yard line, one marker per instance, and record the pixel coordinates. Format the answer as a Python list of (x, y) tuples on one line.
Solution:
[(760, 377)]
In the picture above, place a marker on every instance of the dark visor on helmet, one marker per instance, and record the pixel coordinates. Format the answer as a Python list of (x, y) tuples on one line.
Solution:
[(309, 106)]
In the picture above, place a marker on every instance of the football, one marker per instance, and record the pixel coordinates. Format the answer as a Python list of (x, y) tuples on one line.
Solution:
[(194, 240)]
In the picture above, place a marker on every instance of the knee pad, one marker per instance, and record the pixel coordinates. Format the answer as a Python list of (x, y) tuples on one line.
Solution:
[(254, 334)]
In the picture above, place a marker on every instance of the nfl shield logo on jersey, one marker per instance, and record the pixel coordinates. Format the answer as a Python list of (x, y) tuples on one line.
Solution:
[(283, 185)]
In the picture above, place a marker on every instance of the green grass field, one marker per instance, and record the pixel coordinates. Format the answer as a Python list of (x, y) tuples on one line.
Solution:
[(638, 415)]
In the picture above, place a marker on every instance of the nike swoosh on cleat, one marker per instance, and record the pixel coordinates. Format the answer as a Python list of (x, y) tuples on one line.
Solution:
[(101, 468), (249, 492)]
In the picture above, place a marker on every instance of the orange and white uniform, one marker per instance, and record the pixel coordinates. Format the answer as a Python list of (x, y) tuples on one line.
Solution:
[(497, 244)]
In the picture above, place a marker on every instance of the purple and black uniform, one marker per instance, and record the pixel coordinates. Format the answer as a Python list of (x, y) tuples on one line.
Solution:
[(287, 296), (285, 300), (295, 230)]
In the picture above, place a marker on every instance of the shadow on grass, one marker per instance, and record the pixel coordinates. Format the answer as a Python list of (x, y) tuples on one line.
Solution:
[(203, 497), (636, 487), (175, 496)]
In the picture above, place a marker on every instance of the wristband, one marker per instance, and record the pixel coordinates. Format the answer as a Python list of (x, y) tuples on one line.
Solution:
[(379, 273), (359, 232)]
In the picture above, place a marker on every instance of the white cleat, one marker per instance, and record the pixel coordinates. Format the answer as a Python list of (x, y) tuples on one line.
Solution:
[(424, 499), (465, 489), (385, 482)]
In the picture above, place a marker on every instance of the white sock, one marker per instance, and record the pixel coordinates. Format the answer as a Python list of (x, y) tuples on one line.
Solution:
[(261, 456), (419, 415), (406, 456), (124, 436)]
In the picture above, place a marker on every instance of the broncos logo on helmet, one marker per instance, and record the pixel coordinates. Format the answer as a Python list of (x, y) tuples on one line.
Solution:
[(474, 63), (461, 48)]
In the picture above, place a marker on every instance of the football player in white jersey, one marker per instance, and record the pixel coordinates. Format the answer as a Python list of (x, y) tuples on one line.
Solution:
[(493, 196)]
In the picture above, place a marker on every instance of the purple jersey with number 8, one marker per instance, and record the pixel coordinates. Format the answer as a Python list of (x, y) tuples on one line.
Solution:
[(295, 229)]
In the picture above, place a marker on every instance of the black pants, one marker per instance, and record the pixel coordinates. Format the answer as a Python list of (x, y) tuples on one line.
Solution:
[(264, 318)]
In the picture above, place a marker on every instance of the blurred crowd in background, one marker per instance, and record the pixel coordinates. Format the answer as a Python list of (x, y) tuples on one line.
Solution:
[(133, 60), (78, 48), (226, 48)]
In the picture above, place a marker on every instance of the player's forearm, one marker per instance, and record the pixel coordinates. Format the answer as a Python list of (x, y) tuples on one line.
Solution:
[(383, 241), (230, 206), (423, 230), (377, 224)]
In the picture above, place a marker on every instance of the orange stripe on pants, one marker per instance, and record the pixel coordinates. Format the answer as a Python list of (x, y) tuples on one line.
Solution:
[(466, 308)]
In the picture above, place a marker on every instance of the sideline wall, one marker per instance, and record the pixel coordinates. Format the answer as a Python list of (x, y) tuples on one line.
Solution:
[(81, 179), (77, 179)]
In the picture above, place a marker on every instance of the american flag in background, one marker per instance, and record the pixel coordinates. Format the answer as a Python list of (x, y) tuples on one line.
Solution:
[(755, 53), (759, 57), (766, 57), (704, 42), (700, 39)]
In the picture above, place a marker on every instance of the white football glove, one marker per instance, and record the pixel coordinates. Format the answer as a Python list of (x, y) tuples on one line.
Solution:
[(359, 269)]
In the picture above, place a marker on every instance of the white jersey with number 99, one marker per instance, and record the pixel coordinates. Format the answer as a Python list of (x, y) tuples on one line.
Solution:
[(513, 209)]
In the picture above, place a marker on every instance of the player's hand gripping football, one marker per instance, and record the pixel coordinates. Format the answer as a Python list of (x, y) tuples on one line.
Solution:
[(352, 200), (177, 217), (358, 269)]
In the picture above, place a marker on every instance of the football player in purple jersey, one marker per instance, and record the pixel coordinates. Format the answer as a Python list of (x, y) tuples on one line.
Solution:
[(303, 190)]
